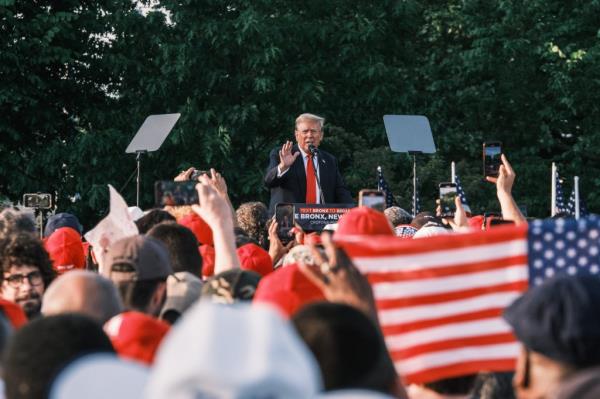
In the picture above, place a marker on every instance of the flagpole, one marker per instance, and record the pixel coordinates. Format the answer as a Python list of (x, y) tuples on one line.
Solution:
[(576, 187), (453, 172), (553, 192), (414, 184)]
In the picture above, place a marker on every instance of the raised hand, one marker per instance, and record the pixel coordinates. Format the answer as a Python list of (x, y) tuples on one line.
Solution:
[(506, 177), (338, 278), (286, 158)]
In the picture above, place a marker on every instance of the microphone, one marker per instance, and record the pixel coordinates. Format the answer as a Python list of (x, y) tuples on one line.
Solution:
[(312, 149)]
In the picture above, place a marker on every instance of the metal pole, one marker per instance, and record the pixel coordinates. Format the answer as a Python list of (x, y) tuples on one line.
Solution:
[(414, 184), (553, 192), (576, 197), (138, 159)]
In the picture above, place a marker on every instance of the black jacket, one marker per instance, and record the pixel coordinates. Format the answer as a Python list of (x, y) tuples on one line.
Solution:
[(291, 187)]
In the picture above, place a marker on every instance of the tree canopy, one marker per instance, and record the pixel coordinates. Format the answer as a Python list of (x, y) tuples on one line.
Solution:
[(78, 79)]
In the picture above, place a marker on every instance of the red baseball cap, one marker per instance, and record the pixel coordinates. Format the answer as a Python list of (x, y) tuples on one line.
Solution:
[(66, 250), (288, 289), (136, 335), (254, 258), (363, 221), (201, 230)]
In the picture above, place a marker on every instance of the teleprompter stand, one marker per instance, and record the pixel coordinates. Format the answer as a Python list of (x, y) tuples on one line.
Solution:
[(149, 138), (410, 134)]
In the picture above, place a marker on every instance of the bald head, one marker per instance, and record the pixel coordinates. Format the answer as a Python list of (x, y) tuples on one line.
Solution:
[(82, 291)]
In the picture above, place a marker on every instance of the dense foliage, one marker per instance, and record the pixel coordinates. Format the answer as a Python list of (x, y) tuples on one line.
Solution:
[(78, 79)]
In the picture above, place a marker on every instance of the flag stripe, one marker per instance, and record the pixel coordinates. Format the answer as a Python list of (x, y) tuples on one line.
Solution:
[(445, 270), (395, 303), (460, 369), (492, 339), (437, 334), (417, 325), (449, 284), (409, 315), (382, 246), (469, 353), (442, 258)]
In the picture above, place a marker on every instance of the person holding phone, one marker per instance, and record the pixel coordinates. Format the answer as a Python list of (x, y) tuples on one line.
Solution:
[(295, 170)]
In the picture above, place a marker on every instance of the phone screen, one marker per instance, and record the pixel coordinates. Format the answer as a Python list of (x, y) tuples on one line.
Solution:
[(284, 216), (491, 159), (447, 198), (372, 199), (175, 193)]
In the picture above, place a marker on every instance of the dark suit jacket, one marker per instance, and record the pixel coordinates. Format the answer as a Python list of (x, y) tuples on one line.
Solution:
[(291, 187)]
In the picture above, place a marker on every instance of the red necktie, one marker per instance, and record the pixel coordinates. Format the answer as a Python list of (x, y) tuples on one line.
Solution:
[(311, 181)]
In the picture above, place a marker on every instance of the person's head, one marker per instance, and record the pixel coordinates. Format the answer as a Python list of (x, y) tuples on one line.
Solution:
[(26, 272), (397, 216), (12, 220), (82, 291), (182, 245), (139, 267), (152, 218), (60, 220), (183, 290), (309, 130), (66, 250), (42, 348), (237, 351), (252, 217), (363, 221), (348, 347), (558, 325)]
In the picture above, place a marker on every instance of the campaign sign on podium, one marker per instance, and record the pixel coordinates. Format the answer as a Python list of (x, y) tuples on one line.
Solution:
[(313, 217)]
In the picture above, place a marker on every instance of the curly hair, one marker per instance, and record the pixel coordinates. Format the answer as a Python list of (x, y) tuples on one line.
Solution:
[(25, 249), (252, 217)]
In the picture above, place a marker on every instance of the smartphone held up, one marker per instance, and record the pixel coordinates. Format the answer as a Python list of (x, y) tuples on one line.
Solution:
[(492, 152), (372, 199), (284, 216), (448, 193), (175, 193)]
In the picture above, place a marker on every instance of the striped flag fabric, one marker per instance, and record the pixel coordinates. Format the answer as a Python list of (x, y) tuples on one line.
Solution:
[(583, 212), (461, 194), (383, 186), (560, 198), (440, 299)]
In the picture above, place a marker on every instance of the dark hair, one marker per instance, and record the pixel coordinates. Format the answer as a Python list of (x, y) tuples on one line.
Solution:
[(43, 347), (348, 347), (182, 245), (136, 295), (152, 218), (241, 240), (25, 249), (463, 385), (252, 218)]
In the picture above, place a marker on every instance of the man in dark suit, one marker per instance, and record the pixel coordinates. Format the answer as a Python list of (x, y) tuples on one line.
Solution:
[(290, 165)]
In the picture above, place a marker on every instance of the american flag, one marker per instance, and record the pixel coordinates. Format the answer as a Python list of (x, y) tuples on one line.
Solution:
[(571, 205), (461, 194), (560, 199), (382, 185), (416, 200), (440, 299)]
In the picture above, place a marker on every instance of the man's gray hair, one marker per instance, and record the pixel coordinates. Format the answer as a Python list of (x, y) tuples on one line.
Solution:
[(311, 117)]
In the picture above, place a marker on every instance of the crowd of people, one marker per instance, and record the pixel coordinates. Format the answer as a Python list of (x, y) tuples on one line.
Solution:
[(207, 302)]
